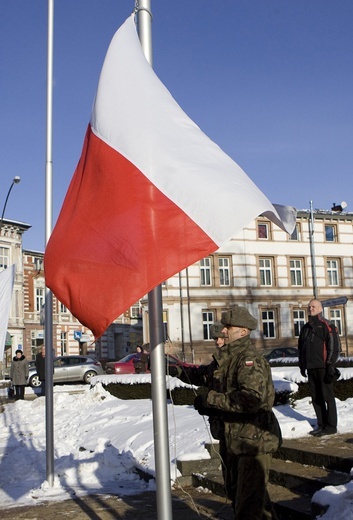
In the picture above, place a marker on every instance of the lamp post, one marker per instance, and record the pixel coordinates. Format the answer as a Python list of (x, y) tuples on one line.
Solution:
[(312, 249), (16, 180)]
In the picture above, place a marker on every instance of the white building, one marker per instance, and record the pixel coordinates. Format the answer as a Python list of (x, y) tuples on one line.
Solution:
[(261, 268), (11, 232), (270, 273)]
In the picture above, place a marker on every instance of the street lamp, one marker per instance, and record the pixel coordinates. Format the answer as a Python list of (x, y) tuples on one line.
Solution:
[(312, 249), (16, 180)]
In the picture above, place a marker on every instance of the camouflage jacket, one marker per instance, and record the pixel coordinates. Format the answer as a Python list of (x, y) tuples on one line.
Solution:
[(243, 390)]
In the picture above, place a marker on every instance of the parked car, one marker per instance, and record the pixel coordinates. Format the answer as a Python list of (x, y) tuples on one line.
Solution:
[(69, 369), (126, 364), (280, 352)]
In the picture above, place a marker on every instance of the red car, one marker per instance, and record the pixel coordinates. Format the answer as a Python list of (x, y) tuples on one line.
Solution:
[(126, 364)]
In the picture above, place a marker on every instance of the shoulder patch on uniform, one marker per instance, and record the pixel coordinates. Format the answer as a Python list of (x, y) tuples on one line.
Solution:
[(249, 363)]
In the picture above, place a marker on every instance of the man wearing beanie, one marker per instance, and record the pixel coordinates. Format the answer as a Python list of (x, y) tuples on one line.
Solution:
[(240, 398)]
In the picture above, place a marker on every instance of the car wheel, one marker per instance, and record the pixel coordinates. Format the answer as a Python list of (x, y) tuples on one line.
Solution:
[(35, 381), (88, 376)]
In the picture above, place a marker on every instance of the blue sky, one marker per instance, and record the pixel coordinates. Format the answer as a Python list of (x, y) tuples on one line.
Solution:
[(270, 81)]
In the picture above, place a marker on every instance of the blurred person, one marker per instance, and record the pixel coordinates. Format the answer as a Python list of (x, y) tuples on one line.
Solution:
[(217, 334), (319, 347), (19, 374), (40, 367), (140, 361)]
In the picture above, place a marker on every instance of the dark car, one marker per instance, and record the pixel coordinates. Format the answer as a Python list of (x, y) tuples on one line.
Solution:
[(280, 353), (70, 369), (126, 364)]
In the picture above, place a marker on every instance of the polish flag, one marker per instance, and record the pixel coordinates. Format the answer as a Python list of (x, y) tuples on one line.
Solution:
[(144, 201)]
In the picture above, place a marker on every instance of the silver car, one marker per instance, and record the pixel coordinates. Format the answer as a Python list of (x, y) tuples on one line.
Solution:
[(68, 369)]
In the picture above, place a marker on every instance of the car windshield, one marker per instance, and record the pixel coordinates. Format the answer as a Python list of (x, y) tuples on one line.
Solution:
[(126, 358)]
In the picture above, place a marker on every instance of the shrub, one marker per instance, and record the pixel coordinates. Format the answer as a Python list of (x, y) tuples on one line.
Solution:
[(186, 396)]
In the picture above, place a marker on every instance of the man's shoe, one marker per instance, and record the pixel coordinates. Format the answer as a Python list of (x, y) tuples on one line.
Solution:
[(316, 431), (326, 431)]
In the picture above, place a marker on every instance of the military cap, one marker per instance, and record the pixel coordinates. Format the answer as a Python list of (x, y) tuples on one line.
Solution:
[(216, 330), (239, 317)]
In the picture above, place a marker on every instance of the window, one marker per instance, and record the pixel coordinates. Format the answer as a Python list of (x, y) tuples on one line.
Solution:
[(38, 264), (298, 320), (63, 343), (207, 321), (205, 271), (4, 258), (135, 310), (332, 272), (330, 233), (63, 308), (265, 265), (40, 298), (336, 318), (296, 271), (296, 233), (224, 271), (268, 324), (263, 231)]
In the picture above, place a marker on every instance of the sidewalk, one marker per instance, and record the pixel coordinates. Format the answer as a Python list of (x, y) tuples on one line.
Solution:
[(187, 504)]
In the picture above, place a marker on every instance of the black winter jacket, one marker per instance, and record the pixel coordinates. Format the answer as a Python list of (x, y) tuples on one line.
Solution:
[(319, 343)]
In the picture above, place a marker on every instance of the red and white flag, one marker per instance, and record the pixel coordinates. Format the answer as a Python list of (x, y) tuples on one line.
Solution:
[(143, 203)]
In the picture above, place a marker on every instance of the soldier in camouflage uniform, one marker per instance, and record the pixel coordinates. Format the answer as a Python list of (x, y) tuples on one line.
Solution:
[(239, 403), (217, 334)]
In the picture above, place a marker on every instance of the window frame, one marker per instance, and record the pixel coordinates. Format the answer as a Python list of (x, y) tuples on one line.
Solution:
[(268, 322), (334, 233), (39, 297), (297, 233), (330, 271), (264, 269), (135, 307), (337, 320), (262, 225), (205, 271), (298, 322), (4, 255), (295, 270), (63, 343), (207, 321), (224, 269)]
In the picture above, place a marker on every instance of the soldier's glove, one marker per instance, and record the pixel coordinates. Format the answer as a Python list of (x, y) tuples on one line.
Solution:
[(175, 371), (200, 404), (303, 372), (330, 374)]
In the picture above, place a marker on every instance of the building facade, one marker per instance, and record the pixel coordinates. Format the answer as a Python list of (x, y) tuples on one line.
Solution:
[(274, 275), (271, 273), (11, 232), (69, 336)]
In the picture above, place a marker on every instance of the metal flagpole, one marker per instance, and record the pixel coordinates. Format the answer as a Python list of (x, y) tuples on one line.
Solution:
[(48, 324), (155, 310)]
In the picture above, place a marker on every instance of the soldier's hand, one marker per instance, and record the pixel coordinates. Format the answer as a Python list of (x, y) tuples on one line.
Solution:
[(303, 373), (200, 404)]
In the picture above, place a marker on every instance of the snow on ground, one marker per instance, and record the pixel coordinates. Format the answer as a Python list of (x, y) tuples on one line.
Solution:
[(99, 441)]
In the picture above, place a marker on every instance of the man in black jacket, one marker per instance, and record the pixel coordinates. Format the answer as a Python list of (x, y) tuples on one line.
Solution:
[(319, 347)]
